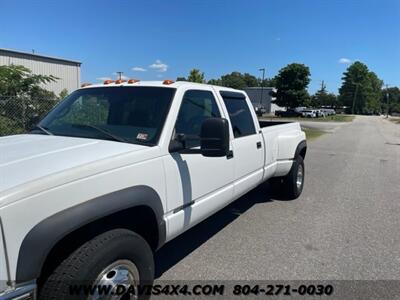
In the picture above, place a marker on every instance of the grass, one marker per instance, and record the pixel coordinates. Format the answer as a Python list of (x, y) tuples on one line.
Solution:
[(312, 134), (335, 118), (340, 118)]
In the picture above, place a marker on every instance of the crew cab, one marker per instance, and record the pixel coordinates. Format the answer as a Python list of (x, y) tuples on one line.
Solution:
[(117, 170)]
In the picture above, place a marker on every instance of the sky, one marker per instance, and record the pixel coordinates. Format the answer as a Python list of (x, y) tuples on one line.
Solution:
[(154, 40)]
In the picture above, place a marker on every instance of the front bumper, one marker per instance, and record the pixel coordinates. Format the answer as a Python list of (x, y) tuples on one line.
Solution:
[(23, 292)]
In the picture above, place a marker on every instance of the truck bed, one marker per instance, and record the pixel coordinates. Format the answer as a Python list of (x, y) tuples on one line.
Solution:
[(281, 140)]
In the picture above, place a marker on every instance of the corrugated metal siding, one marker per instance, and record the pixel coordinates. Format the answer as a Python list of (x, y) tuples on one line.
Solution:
[(68, 73), (255, 97)]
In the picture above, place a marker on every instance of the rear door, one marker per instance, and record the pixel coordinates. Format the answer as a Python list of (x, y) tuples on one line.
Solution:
[(247, 143)]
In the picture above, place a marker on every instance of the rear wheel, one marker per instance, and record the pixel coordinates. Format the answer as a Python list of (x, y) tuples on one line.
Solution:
[(291, 185), (118, 259)]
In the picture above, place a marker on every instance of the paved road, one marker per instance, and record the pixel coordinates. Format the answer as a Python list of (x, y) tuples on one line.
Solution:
[(325, 126), (346, 224), (305, 123)]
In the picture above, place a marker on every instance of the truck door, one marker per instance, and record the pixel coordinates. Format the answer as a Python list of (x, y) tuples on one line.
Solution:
[(197, 186), (247, 143)]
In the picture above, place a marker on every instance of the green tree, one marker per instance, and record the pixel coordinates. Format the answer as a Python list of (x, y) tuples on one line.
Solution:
[(360, 90), (196, 76), (22, 97), (17, 80), (394, 99), (291, 83), (215, 82), (38, 105), (250, 80), (234, 80), (268, 82), (323, 98), (9, 126), (64, 93), (373, 103)]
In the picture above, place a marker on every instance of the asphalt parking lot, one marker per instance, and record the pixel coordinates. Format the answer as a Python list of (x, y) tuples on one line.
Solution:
[(345, 225)]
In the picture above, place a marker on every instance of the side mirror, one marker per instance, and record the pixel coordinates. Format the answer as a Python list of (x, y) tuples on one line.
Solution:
[(214, 137)]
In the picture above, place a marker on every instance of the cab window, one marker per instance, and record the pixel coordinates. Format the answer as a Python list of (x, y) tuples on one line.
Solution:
[(240, 116), (197, 106)]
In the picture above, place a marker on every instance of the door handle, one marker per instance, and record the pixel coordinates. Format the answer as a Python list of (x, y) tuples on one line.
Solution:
[(229, 155), (259, 145)]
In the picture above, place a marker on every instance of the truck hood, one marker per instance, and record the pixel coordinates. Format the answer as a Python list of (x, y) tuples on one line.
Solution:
[(29, 157)]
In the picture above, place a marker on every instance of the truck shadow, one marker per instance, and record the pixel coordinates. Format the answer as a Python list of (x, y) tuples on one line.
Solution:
[(177, 249)]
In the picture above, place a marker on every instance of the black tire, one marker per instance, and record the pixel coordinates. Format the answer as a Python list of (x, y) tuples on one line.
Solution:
[(290, 186), (287, 186), (85, 264)]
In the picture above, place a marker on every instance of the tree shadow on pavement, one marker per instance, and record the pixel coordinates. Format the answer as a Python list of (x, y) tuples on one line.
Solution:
[(177, 249)]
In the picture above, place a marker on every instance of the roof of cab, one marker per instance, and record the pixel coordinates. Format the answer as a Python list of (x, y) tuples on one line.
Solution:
[(176, 84)]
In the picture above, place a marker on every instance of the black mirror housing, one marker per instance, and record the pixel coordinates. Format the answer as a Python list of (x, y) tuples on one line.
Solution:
[(214, 137)]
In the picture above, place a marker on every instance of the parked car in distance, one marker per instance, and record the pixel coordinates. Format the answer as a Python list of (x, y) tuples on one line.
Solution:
[(260, 110), (290, 113), (320, 113), (310, 113), (115, 171), (300, 108), (328, 111)]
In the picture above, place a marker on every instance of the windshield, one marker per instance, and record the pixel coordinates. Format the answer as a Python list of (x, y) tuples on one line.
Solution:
[(127, 114)]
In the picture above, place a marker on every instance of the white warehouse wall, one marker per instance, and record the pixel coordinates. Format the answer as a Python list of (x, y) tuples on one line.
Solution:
[(67, 71)]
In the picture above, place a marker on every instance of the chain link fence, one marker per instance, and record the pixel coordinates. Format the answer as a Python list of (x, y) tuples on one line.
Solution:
[(19, 114)]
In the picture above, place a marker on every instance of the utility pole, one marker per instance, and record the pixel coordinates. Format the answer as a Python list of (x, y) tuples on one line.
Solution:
[(323, 85), (119, 74), (262, 85), (354, 98), (387, 101)]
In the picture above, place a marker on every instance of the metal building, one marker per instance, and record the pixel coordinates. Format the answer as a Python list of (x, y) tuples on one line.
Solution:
[(261, 96), (68, 71)]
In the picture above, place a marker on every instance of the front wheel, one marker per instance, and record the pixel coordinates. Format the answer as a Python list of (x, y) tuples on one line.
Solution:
[(118, 260)]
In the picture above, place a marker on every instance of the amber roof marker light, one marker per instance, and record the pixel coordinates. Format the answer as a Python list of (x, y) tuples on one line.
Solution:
[(168, 81), (133, 80), (108, 81), (119, 81)]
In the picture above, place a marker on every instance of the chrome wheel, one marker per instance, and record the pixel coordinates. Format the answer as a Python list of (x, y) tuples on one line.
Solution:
[(300, 176), (121, 275)]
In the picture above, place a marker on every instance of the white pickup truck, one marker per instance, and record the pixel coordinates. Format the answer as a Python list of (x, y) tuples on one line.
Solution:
[(117, 170)]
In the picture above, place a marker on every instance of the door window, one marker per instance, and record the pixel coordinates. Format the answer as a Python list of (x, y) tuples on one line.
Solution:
[(197, 106), (240, 116)]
